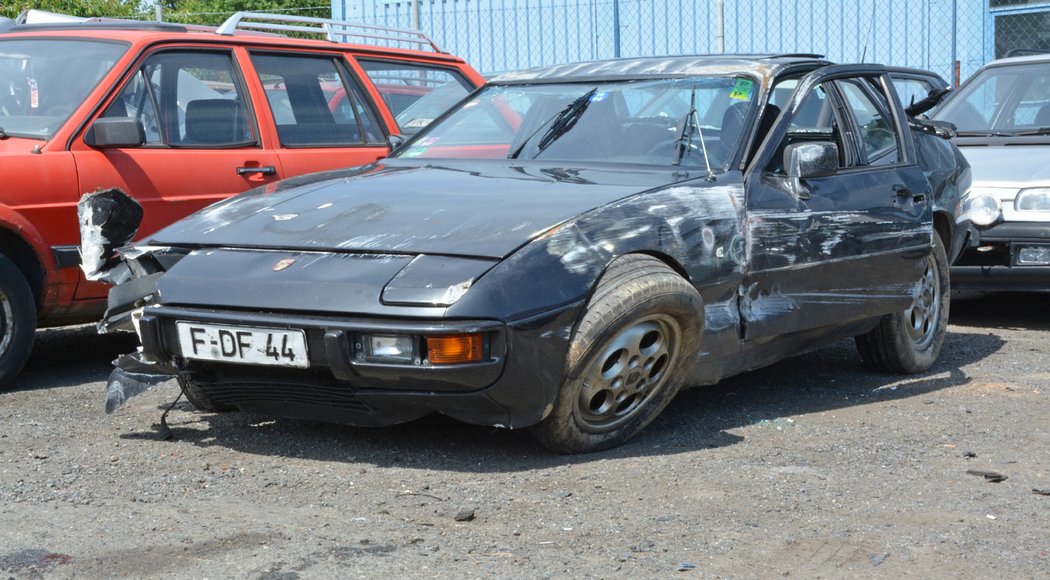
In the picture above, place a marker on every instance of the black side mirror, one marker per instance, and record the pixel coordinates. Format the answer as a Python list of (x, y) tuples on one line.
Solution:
[(807, 160), (395, 141), (116, 132)]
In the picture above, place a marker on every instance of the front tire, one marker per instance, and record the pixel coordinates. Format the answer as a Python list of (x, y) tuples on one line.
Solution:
[(910, 342), (628, 357), (17, 322)]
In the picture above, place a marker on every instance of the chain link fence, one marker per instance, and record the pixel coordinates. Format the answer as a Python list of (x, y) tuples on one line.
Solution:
[(950, 37)]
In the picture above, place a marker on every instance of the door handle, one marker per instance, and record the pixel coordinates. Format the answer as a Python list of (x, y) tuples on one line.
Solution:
[(901, 192), (261, 170)]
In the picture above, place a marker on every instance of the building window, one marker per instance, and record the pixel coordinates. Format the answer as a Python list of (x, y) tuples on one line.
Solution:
[(1028, 31)]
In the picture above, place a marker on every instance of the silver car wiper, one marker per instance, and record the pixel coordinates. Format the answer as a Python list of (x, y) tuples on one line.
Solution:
[(561, 123)]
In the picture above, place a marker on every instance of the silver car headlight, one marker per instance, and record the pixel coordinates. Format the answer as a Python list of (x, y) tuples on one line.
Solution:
[(985, 210), (1037, 199)]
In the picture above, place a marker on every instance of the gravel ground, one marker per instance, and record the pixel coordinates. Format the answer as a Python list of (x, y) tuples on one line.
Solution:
[(810, 468)]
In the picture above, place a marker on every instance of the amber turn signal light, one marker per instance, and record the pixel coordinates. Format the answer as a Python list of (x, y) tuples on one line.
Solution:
[(454, 349)]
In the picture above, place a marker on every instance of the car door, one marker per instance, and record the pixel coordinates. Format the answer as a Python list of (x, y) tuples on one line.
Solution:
[(322, 117), (202, 143), (841, 247)]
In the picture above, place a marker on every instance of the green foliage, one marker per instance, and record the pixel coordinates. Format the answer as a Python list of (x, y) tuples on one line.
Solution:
[(212, 12), (113, 8)]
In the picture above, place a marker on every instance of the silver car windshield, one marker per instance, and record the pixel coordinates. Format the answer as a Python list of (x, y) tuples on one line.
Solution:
[(42, 81), (657, 122), (1002, 100)]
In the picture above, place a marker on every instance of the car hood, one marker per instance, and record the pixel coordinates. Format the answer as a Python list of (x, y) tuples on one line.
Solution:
[(481, 209), (12, 145), (1011, 166)]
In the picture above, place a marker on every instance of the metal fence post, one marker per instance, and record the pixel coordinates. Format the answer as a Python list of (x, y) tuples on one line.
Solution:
[(720, 8), (955, 56), (616, 28)]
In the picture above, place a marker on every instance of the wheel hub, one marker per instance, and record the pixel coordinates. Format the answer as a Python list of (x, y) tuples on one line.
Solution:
[(7, 327), (924, 314), (628, 369)]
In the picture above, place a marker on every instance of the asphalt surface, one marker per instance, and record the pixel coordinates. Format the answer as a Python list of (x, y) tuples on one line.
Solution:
[(813, 467)]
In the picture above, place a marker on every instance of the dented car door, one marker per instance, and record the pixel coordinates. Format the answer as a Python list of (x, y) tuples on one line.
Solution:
[(839, 242)]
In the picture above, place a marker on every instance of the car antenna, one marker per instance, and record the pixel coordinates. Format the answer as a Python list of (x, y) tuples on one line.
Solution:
[(867, 38), (685, 141)]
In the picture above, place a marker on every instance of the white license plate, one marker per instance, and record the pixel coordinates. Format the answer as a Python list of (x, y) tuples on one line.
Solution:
[(238, 344)]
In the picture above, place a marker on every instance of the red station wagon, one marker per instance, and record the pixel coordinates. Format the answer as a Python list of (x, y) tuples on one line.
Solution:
[(179, 117)]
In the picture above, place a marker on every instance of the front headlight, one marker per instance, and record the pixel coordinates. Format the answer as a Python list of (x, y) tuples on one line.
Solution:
[(426, 350), (985, 210), (1037, 199)]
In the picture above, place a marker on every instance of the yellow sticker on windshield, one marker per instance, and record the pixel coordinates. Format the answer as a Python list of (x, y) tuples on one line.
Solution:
[(742, 90)]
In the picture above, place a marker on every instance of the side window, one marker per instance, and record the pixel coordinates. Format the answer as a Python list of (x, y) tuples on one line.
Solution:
[(311, 103), (137, 101), (815, 119), (878, 136), (911, 90), (187, 99), (816, 114), (416, 94)]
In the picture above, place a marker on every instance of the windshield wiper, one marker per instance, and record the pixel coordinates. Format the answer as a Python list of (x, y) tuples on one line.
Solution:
[(933, 99), (3, 134), (1031, 132), (984, 134), (686, 126), (561, 123)]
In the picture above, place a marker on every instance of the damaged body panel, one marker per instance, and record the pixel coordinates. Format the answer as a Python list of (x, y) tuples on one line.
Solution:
[(599, 244)]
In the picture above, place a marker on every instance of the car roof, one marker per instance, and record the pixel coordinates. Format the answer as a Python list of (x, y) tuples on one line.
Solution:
[(662, 67), (149, 32), (1019, 59)]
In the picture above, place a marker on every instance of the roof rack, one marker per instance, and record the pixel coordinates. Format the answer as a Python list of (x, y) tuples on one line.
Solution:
[(333, 30)]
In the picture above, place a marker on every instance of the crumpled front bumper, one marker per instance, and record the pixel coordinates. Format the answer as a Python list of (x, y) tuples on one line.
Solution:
[(515, 387)]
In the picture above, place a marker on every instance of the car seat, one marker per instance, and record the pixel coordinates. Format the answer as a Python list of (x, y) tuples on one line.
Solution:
[(214, 122)]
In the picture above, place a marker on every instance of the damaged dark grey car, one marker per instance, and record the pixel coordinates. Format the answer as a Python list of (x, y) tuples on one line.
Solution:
[(564, 250)]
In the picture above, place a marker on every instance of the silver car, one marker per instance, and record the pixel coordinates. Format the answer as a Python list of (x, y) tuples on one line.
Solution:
[(1003, 119)]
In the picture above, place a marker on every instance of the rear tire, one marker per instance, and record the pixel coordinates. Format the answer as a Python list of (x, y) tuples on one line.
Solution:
[(630, 354), (198, 398), (910, 341), (17, 322)]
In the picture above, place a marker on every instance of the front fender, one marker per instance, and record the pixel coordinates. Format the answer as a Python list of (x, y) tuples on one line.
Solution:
[(51, 284), (696, 227), (13, 221)]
